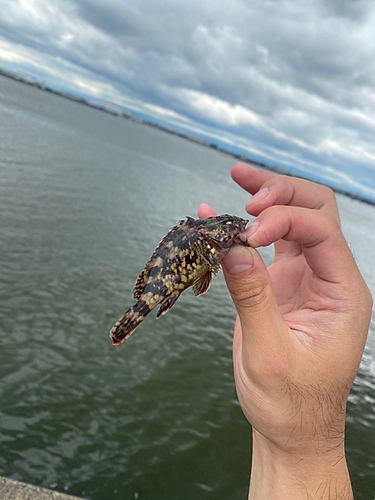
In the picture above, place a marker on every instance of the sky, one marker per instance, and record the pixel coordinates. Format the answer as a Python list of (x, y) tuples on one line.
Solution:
[(287, 83)]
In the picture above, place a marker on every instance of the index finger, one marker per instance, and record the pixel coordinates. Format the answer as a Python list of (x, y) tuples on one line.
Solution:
[(269, 189), (322, 242)]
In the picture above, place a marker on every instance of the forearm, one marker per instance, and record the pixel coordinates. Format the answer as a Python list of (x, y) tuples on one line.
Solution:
[(276, 475)]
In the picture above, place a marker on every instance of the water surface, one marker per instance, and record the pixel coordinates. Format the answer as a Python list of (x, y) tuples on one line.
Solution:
[(84, 199)]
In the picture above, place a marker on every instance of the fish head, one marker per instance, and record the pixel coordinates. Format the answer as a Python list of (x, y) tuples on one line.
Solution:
[(224, 230)]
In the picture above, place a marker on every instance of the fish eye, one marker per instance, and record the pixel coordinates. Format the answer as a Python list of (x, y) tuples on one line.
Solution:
[(226, 219)]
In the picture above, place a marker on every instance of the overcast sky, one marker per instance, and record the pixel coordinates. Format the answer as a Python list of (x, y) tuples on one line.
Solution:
[(291, 83)]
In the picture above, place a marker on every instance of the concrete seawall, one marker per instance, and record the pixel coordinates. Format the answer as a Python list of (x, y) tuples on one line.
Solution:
[(15, 490)]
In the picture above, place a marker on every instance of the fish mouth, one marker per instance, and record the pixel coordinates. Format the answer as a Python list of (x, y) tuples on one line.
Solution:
[(241, 238)]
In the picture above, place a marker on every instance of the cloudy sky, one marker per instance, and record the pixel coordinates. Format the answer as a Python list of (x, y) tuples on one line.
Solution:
[(290, 83)]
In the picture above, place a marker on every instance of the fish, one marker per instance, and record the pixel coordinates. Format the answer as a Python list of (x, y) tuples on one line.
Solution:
[(187, 256)]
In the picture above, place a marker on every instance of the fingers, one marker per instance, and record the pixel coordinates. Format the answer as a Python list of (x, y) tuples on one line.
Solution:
[(260, 329), (250, 287), (324, 247), (269, 189), (251, 290), (249, 178), (205, 211)]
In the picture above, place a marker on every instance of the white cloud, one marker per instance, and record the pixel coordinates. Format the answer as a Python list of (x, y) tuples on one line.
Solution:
[(291, 83), (217, 110)]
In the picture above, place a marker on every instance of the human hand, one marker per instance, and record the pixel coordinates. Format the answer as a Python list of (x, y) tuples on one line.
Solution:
[(299, 335)]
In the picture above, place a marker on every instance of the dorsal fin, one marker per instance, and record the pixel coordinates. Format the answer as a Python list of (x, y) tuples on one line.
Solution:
[(139, 284), (142, 278)]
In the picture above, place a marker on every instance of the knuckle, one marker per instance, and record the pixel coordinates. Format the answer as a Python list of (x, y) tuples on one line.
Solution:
[(329, 201), (283, 185), (368, 300), (270, 212), (328, 224), (332, 221), (328, 193), (282, 179)]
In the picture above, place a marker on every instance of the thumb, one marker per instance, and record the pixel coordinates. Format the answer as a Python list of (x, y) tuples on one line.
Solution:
[(264, 332)]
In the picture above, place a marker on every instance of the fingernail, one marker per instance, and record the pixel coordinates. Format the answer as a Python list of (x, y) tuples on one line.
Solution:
[(252, 228), (238, 260), (258, 196)]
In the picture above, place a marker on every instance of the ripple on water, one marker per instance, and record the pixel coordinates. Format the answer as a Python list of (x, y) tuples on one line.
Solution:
[(86, 199)]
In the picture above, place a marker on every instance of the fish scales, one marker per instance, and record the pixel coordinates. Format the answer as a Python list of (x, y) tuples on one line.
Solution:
[(187, 256)]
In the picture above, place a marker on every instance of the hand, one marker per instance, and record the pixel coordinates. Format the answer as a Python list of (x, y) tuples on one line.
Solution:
[(299, 335)]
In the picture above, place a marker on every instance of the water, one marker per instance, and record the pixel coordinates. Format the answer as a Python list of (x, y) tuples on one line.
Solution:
[(84, 198)]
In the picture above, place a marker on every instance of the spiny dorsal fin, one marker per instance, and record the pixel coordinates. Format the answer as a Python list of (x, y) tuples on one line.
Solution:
[(142, 278), (140, 284)]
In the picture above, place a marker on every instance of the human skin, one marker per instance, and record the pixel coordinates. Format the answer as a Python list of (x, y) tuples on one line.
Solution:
[(299, 336)]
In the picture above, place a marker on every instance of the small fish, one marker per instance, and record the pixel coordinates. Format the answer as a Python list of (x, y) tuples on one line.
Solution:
[(187, 256)]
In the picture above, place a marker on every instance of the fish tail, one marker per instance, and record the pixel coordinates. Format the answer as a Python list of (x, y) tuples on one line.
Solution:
[(126, 325)]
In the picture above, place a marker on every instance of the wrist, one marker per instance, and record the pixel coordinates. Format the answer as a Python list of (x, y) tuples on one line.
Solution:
[(277, 474)]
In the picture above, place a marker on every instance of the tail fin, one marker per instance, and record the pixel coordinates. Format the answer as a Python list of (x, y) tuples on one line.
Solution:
[(126, 325)]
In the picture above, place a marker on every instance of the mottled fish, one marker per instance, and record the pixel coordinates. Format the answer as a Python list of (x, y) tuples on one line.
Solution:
[(187, 256)]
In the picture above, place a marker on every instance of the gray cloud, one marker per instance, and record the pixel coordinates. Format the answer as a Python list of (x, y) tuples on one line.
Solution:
[(293, 82), (111, 17)]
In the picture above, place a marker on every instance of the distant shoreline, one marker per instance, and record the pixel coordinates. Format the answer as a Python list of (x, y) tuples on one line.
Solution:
[(114, 112)]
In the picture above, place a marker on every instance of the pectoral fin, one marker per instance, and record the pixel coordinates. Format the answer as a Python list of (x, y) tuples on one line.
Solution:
[(202, 284)]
